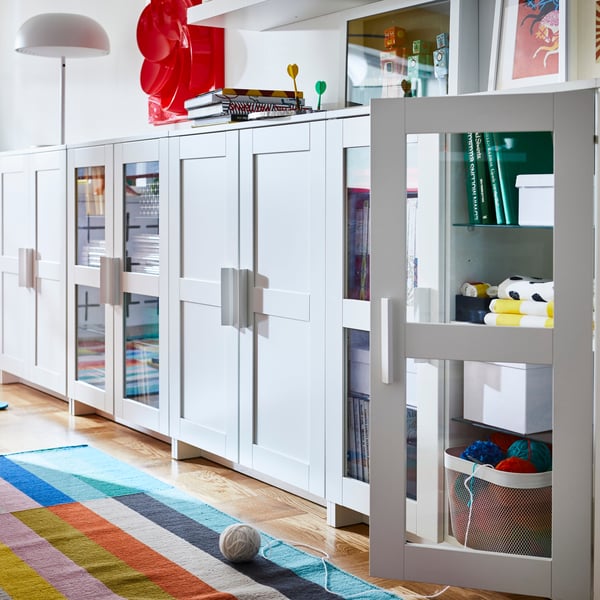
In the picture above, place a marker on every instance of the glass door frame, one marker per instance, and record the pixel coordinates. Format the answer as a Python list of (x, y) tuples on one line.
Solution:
[(568, 347)]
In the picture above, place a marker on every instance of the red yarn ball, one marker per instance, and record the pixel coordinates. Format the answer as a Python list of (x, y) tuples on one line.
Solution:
[(503, 440), (515, 464)]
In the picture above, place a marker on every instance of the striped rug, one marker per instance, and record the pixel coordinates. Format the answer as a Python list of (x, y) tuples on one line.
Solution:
[(76, 523)]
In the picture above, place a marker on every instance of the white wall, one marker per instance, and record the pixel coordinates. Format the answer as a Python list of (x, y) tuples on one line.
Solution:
[(103, 96), (104, 99)]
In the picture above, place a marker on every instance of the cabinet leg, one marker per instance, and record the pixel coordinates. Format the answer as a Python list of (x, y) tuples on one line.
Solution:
[(6, 378), (182, 451), (340, 516), (78, 409)]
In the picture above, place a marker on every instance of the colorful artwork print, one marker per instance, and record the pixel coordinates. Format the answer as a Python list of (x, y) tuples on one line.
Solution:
[(537, 39)]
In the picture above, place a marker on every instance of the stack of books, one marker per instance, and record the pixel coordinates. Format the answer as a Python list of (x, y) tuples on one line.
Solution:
[(237, 104)]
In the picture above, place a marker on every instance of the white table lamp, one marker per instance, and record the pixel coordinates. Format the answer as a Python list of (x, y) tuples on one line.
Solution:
[(62, 35)]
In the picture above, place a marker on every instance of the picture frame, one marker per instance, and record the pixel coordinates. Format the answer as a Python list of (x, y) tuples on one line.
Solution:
[(529, 44)]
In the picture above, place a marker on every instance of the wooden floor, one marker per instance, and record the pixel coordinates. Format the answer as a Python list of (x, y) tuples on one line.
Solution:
[(35, 420)]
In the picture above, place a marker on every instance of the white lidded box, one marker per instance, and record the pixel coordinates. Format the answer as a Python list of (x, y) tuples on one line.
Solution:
[(360, 371), (512, 396), (536, 199)]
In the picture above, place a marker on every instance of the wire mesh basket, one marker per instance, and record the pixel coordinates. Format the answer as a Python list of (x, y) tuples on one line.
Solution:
[(509, 512)]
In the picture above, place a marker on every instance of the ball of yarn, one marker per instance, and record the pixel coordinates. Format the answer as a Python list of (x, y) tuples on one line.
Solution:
[(536, 452), (503, 439), (515, 464), (239, 542), (484, 452)]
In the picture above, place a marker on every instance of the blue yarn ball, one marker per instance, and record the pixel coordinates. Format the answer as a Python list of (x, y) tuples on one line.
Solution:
[(484, 452), (536, 452)]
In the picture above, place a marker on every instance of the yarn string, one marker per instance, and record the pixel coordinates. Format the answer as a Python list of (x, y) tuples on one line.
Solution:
[(468, 483), (323, 558)]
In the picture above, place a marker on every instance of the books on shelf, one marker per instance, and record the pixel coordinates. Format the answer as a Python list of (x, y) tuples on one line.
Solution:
[(358, 437), (358, 243), (242, 95), (492, 162)]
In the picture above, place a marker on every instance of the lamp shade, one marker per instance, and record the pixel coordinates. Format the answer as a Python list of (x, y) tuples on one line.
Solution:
[(62, 35)]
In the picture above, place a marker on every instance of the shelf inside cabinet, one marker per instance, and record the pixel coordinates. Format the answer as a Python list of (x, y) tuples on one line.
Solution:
[(538, 435), (503, 226), (260, 15)]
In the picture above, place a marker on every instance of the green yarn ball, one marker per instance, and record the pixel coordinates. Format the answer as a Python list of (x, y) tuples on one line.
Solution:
[(536, 452)]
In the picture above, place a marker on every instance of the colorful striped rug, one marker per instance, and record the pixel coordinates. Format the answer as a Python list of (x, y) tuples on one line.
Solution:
[(77, 523)]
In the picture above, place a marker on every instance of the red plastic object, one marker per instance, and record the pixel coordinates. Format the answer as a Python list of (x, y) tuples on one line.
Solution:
[(181, 60), (152, 42), (155, 75)]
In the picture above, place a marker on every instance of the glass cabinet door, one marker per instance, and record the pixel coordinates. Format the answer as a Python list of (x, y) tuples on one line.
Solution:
[(472, 322), (349, 327), (90, 214), (399, 53), (140, 179)]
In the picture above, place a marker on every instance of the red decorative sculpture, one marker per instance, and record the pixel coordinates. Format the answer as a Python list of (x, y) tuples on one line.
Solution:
[(180, 60)]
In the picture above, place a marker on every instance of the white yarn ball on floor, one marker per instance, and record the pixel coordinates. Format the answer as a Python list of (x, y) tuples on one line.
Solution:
[(239, 542)]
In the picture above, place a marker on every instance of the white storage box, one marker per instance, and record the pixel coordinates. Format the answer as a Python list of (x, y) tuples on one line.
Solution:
[(360, 372), (536, 199), (512, 396), (360, 364)]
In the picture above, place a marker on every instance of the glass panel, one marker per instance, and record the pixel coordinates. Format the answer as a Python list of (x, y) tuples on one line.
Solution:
[(90, 207), (141, 218), (499, 461), (357, 416), (411, 453), (141, 349), (500, 211), (91, 344), (358, 177), (358, 392), (398, 53)]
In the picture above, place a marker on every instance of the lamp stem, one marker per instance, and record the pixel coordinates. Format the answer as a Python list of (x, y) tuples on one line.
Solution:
[(63, 69)]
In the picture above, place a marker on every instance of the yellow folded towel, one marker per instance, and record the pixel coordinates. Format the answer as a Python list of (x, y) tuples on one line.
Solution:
[(522, 307), (509, 320)]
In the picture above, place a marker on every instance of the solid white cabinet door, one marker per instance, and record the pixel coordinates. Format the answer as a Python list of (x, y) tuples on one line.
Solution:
[(204, 241), (33, 266), (49, 357), (282, 237), (17, 233)]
